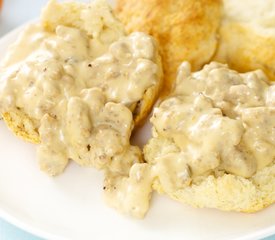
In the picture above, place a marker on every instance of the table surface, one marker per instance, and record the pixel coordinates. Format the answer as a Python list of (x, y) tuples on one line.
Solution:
[(15, 13)]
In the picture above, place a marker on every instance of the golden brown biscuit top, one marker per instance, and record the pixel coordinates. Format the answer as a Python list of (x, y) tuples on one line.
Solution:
[(184, 29)]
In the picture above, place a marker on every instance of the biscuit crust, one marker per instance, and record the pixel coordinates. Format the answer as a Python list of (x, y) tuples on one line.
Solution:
[(184, 29), (22, 126), (227, 192), (247, 36)]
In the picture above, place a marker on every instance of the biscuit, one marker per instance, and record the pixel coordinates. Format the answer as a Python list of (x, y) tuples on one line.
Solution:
[(185, 30), (227, 192), (213, 144), (80, 16), (247, 36), (22, 126), (93, 18)]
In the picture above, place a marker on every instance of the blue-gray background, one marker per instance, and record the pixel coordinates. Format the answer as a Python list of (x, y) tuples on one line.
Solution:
[(15, 13)]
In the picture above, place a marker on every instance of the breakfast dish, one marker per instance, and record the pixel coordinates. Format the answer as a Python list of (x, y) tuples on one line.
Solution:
[(70, 206), (80, 87), (238, 33), (213, 140), (103, 29), (185, 30), (212, 146), (77, 85), (247, 36)]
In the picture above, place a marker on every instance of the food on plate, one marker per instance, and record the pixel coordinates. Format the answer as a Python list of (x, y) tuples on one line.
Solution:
[(239, 33), (77, 85), (21, 125), (184, 29), (213, 144), (247, 36), (214, 139)]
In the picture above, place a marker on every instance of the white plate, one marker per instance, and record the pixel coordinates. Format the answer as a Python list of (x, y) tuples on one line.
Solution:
[(71, 207)]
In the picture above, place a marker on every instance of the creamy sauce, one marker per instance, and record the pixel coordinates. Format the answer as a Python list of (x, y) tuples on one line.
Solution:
[(216, 121), (131, 193), (74, 96), (79, 88), (123, 73), (78, 81)]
